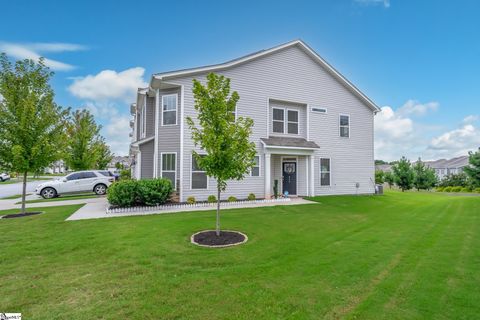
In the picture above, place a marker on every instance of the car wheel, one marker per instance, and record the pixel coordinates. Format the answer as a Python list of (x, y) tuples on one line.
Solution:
[(48, 193), (100, 189)]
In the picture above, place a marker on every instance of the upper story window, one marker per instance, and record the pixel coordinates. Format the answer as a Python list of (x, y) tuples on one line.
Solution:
[(292, 127), (344, 126), (278, 120), (169, 109)]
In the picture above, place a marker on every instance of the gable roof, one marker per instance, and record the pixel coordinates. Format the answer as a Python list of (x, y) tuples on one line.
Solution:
[(302, 45)]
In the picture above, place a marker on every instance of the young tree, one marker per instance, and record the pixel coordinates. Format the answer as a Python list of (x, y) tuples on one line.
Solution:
[(83, 138), (32, 134), (103, 155), (389, 179), (379, 177), (473, 170), (230, 154), (420, 175), (403, 173)]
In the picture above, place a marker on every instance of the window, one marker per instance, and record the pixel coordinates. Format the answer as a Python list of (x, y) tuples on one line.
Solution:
[(88, 175), (319, 110), (169, 167), (74, 176), (199, 176), (106, 173), (324, 171), (143, 119), (169, 109), (255, 171), (344, 126), (234, 114), (278, 120), (292, 121)]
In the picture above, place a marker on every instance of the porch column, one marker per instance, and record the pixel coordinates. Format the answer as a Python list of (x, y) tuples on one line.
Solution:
[(311, 175), (267, 176)]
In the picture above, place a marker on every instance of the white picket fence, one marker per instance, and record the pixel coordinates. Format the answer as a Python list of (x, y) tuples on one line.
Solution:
[(192, 206)]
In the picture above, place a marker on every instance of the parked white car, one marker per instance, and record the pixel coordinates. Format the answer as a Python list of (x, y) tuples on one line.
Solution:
[(81, 181), (4, 177)]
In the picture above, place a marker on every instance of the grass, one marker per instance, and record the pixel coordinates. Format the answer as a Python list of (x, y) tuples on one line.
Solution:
[(64, 198), (19, 180), (16, 196), (398, 256)]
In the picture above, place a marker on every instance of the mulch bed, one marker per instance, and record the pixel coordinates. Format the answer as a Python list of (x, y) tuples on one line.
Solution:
[(210, 239), (19, 215)]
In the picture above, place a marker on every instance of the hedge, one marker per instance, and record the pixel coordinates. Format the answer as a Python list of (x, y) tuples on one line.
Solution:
[(128, 193)]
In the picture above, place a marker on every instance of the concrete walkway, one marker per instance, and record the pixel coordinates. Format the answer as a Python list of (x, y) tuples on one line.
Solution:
[(95, 208)]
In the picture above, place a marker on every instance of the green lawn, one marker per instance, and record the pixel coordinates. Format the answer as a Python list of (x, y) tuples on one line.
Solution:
[(398, 256), (18, 180), (16, 196), (64, 198)]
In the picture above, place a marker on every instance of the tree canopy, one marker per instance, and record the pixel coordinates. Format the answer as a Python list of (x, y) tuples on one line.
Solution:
[(403, 174), (473, 170)]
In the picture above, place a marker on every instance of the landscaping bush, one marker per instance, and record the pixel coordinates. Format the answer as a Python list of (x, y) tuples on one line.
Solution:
[(251, 197), (127, 193), (439, 189), (456, 189), (153, 192), (123, 193), (125, 174), (231, 199), (448, 189), (477, 190), (212, 198), (466, 189), (191, 200)]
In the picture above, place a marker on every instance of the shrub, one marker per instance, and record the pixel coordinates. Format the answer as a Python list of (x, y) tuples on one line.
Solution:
[(477, 190), (456, 189), (153, 192), (125, 174), (123, 193), (439, 189), (251, 197), (447, 189), (466, 189), (191, 200), (212, 198), (231, 199)]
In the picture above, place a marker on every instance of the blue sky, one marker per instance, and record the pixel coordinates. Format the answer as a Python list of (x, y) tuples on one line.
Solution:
[(417, 59)]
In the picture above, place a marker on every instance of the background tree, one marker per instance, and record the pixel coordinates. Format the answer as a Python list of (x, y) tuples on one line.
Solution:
[(455, 180), (32, 133), (424, 177), (83, 139), (403, 173), (103, 155), (379, 177), (473, 170), (389, 178), (230, 154)]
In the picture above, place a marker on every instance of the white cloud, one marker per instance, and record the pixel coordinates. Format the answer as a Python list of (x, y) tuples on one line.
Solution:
[(456, 142), (471, 118), (109, 85), (384, 3), (34, 51), (415, 108)]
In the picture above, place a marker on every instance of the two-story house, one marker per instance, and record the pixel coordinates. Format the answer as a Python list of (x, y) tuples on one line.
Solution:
[(313, 129)]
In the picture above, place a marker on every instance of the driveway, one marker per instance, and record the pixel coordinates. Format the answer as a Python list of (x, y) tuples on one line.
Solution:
[(7, 190)]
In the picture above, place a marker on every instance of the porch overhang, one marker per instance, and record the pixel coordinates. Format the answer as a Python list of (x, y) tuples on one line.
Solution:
[(288, 145)]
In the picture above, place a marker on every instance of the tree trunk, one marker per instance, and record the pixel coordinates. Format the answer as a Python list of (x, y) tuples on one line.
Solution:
[(24, 191), (217, 228)]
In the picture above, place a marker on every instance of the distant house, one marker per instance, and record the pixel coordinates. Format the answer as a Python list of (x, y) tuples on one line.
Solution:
[(313, 129), (444, 167), (56, 167), (383, 167), (123, 160)]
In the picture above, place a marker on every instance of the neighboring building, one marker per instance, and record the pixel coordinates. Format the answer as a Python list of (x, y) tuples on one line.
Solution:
[(123, 160), (313, 129), (384, 167), (444, 167), (56, 167)]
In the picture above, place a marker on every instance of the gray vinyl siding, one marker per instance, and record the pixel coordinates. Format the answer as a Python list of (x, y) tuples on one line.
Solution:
[(169, 136), (150, 129), (146, 150), (291, 75)]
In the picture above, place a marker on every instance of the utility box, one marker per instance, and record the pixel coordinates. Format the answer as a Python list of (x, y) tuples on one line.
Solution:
[(378, 189)]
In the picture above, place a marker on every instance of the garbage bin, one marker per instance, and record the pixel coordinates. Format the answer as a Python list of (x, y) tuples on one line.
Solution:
[(379, 189)]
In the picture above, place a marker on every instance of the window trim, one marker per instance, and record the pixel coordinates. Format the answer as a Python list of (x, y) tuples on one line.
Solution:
[(283, 121), (259, 167), (175, 171), (176, 110), (329, 171), (191, 173), (298, 121), (340, 126)]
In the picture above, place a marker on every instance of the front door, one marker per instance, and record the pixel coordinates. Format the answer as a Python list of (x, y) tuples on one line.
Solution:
[(290, 178)]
